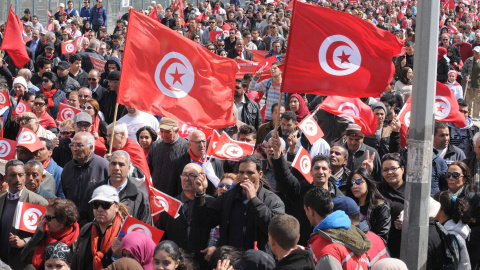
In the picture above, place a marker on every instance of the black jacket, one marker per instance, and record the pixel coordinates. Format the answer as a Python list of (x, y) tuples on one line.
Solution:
[(298, 259), (240, 224), (356, 159), (436, 250), (380, 220), (86, 62), (98, 94), (382, 146), (107, 106), (62, 154), (81, 78), (291, 189), (333, 126), (135, 200), (40, 47), (68, 84), (396, 199), (453, 154), (251, 113)]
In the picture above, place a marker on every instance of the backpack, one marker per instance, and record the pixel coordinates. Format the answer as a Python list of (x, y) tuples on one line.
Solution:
[(451, 260)]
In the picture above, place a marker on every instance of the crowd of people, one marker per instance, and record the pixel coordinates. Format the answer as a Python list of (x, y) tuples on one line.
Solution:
[(263, 213)]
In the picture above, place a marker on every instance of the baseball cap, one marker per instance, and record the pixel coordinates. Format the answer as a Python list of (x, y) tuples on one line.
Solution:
[(476, 49), (167, 123), (379, 104), (43, 32), (280, 11), (63, 65), (82, 117), (354, 130), (29, 24), (346, 204), (177, 12), (105, 193), (50, 45)]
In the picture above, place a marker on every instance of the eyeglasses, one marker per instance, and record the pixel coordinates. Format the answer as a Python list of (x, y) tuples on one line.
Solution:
[(86, 107), (223, 185), (91, 79), (357, 182), (84, 96), (65, 133), (49, 218), (104, 205), (199, 142), (189, 176), (39, 103), (455, 175), (45, 80), (392, 169), (220, 45), (76, 145), (83, 125), (120, 51)]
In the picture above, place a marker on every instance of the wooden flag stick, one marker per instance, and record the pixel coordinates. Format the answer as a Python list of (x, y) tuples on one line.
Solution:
[(278, 112), (113, 129)]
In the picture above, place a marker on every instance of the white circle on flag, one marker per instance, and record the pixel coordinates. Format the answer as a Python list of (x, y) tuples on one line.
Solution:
[(175, 75), (139, 228), (3, 100), (68, 113), (4, 149), (305, 164), (442, 107), (217, 36), (226, 33), (21, 108), (26, 137), (31, 217), (161, 202), (69, 48), (310, 128), (231, 150), (407, 119), (339, 56), (350, 108), (79, 41)]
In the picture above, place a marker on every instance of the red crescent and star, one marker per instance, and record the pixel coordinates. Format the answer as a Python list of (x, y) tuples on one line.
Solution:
[(177, 77), (344, 57)]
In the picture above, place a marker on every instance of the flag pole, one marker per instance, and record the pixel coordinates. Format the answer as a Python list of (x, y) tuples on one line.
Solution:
[(113, 129), (278, 112)]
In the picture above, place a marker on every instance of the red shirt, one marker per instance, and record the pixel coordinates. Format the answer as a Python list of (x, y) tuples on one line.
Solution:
[(46, 121), (465, 49)]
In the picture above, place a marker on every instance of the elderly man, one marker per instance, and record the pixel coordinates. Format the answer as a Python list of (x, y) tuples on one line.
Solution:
[(122, 142), (35, 45), (163, 153), (239, 52), (93, 84), (243, 212), (464, 47), (135, 200), (12, 240), (197, 143), (471, 73), (102, 230), (136, 119), (44, 156), (82, 122), (91, 51), (85, 170), (181, 230), (34, 176), (27, 75)]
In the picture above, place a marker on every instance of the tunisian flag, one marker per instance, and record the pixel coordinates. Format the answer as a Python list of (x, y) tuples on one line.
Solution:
[(13, 42), (21, 108), (29, 140), (354, 110), (160, 202), (66, 112), (403, 10), (404, 117), (7, 149), (446, 107), (311, 129), (132, 224), (303, 163), (228, 149), (28, 215), (69, 47), (4, 100), (167, 74), (345, 56)]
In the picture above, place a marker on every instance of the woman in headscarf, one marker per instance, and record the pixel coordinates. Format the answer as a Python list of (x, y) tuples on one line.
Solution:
[(453, 54), (298, 106), (57, 254), (404, 84), (139, 246)]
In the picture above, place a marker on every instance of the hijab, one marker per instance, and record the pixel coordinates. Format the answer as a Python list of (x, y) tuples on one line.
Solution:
[(302, 108), (141, 246)]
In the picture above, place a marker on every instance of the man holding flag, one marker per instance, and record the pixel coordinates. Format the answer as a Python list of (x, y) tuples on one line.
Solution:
[(12, 241)]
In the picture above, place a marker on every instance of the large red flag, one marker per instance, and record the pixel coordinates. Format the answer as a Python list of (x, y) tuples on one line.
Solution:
[(345, 56), (354, 110), (28, 215), (303, 164), (13, 42), (167, 74)]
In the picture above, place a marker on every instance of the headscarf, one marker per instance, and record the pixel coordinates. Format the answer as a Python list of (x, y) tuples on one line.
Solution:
[(456, 55), (125, 264), (302, 108), (141, 246), (67, 235), (58, 250), (403, 76)]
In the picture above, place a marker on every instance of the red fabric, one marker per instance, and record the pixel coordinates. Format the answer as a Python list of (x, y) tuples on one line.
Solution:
[(100, 148), (465, 49), (228, 149), (446, 107), (195, 159), (255, 96), (30, 140), (321, 247), (354, 110), (403, 10), (67, 235), (310, 129), (154, 14), (450, 5), (46, 121), (302, 108), (404, 117), (46, 163), (69, 47), (160, 202), (7, 148), (346, 56), (49, 95), (13, 42), (177, 78), (66, 111), (378, 246), (266, 64), (259, 56), (303, 163), (214, 35), (4, 99), (138, 158), (106, 243), (96, 124)]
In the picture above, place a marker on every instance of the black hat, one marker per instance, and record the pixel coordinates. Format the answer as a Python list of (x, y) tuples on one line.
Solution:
[(50, 75), (27, 11), (50, 45), (114, 76), (63, 65), (58, 250)]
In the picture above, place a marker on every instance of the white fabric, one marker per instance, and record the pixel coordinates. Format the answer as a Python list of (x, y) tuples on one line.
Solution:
[(136, 122)]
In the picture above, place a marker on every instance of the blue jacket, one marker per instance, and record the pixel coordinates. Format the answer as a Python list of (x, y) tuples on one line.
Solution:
[(85, 13), (98, 16), (56, 172), (335, 220)]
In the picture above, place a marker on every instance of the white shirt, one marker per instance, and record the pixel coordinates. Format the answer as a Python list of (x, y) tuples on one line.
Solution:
[(240, 106), (134, 123)]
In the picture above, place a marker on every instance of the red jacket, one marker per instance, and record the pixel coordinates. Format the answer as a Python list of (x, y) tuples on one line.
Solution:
[(465, 49), (378, 250)]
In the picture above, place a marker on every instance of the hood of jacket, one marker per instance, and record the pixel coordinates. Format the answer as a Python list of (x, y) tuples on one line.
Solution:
[(114, 60), (459, 228), (335, 220), (353, 238)]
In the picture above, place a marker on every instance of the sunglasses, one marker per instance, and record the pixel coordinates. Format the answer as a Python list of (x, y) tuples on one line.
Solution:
[(92, 79), (357, 182), (45, 80), (104, 205), (223, 185), (65, 133), (84, 96), (39, 103), (49, 218), (86, 107), (455, 175)]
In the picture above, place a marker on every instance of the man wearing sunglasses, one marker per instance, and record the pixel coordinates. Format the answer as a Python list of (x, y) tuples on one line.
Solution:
[(101, 231), (212, 26), (97, 91), (12, 241)]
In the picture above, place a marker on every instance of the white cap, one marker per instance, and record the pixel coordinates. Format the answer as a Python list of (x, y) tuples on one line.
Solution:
[(153, 2), (62, 5), (476, 49), (105, 193), (21, 81), (433, 208)]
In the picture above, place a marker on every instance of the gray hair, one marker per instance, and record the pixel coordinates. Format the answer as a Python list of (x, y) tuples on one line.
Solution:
[(90, 138), (33, 162), (122, 153), (50, 34), (120, 127), (13, 163), (25, 72), (94, 43), (282, 144), (195, 131), (103, 43)]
